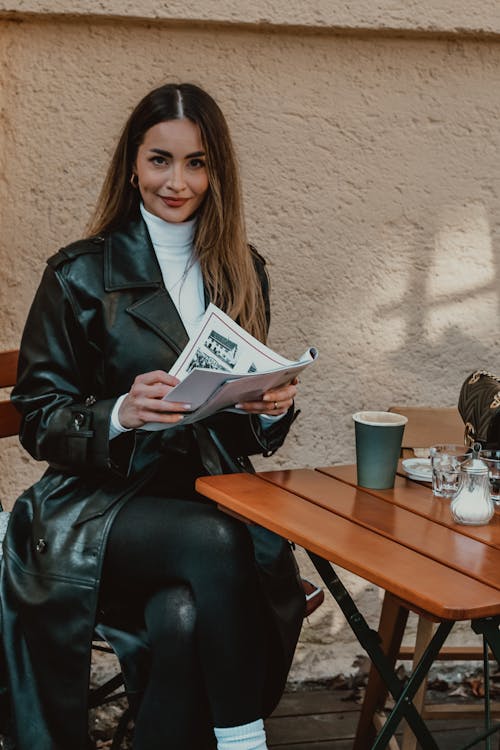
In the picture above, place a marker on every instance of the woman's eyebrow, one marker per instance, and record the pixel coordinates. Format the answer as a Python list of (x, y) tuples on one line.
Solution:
[(162, 152)]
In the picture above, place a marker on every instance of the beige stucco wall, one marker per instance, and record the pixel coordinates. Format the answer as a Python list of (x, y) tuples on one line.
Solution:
[(368, 140), (410, 16)]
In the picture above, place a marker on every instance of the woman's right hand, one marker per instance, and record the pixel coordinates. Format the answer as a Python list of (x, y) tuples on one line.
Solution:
[(144, 402)]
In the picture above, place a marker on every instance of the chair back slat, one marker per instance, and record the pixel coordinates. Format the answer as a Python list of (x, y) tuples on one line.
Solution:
[(10, 419), (430, 426), (8, 368)]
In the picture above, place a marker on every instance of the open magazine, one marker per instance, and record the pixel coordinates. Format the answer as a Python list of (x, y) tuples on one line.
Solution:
[(223, 365)]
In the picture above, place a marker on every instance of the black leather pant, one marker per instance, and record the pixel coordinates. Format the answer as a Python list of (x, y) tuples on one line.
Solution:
[(188, 570)]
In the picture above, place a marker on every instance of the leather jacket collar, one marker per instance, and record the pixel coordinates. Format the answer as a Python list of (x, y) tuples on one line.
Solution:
[(130, 262), (130, 259)]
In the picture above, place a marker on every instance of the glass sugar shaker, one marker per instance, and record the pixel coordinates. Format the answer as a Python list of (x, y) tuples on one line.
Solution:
[(472, 503)]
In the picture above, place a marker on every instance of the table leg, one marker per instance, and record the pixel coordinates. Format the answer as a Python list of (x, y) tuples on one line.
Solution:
[(488, 627), (405, 696), (370, 641), (425, 630), (486, 675), (393, 618)]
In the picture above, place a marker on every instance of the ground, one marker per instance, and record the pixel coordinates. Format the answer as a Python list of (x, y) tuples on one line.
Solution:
[(447, 683)]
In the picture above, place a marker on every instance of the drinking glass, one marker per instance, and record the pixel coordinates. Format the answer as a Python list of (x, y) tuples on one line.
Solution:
[(446, 461), (492, 460)]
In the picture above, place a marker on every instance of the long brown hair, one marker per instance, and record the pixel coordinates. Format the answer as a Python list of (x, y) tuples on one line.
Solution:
[(220, 241)]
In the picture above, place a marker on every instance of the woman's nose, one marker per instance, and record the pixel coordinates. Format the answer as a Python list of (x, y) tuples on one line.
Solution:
[(175, 178)]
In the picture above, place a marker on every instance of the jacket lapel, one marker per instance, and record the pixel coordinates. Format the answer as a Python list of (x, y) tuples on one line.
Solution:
[(130, 262), (158, 312)]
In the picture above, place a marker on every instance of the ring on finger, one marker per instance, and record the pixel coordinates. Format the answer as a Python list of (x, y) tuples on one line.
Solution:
[(276, 406)]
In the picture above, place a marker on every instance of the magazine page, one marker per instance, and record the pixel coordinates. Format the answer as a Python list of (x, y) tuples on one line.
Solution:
[(224, 365), (211, 391), (248, 388), (223, 345), (200, 384)]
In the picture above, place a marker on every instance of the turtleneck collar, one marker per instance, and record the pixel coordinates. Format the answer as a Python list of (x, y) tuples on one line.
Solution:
[(166, 234)]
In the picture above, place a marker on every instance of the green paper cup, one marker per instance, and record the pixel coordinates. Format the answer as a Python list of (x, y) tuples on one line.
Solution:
[(378, 447)]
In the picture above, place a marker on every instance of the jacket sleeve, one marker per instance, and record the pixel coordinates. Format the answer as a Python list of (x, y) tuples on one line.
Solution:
[(244, 435), (62, 422)]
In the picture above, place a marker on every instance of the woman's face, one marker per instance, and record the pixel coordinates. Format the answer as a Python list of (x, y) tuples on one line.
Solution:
[(171, 170)]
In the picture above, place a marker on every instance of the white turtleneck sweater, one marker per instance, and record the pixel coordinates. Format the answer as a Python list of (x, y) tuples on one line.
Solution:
[(173, 245)]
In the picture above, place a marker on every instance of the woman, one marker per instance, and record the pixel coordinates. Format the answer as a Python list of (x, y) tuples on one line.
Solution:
[(114, 531)]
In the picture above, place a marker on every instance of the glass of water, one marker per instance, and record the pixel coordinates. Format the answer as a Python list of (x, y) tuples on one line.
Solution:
[(446, 462), (492, 460)]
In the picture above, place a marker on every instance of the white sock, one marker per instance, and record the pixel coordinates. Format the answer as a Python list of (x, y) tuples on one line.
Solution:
[(245, 737)]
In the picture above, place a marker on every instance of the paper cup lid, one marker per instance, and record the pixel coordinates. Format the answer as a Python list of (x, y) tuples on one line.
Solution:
[(380, 418)]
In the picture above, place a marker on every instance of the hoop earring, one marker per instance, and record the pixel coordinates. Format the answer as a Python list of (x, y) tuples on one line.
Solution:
[(134, 180)]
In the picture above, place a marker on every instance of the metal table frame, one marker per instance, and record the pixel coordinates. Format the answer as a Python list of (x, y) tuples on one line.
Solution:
[(403, 693)]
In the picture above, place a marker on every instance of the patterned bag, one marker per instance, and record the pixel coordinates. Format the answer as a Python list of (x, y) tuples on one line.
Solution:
[(479, 407)]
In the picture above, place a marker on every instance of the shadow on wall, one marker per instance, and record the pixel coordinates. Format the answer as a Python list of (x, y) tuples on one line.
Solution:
[(446, 314), (420, 314)]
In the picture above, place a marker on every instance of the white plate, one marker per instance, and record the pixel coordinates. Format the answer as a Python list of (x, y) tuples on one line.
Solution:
[(418, 468)]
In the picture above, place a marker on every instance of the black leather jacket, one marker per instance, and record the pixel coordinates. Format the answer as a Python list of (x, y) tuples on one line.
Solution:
[(100, 317)]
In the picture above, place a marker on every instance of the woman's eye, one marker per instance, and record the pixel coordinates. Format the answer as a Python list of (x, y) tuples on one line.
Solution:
[(196, 163), (160, 160)]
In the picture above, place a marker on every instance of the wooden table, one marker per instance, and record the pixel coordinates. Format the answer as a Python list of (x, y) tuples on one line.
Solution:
[(402, 540)]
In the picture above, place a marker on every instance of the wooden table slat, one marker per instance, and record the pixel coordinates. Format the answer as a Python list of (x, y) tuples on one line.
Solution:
[(434, 588), (419, 499), (416, 532)]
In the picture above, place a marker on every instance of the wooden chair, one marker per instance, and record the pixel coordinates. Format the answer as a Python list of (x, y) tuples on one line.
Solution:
[(428, 426), (10, 420)]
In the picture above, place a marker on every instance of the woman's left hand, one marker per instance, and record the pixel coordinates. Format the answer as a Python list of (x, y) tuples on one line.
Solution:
[(274, 402)]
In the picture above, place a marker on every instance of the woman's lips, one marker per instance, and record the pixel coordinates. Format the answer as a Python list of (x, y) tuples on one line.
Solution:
[(173, 202)]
